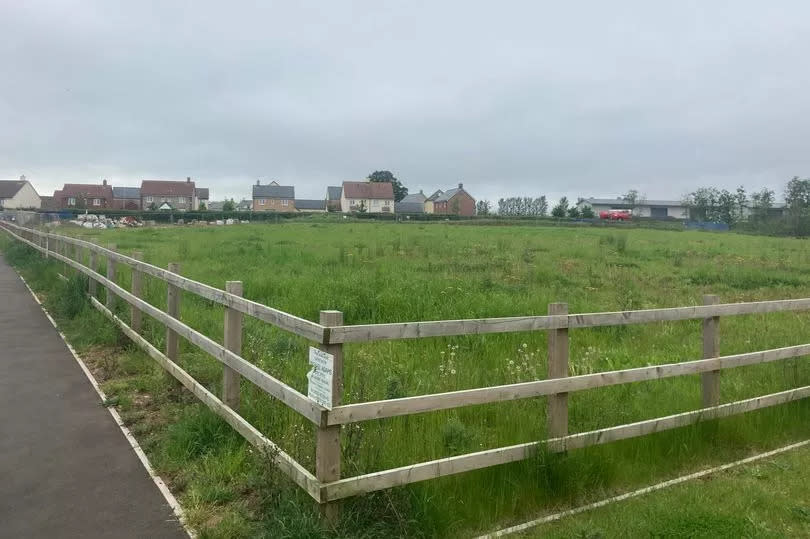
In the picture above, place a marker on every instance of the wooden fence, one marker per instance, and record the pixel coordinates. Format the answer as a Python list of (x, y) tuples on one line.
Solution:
[(325, 485)]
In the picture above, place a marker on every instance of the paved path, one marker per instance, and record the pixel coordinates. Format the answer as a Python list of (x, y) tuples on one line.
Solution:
[(66, 469)]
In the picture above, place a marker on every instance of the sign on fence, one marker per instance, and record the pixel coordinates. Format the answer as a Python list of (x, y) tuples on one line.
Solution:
[(320, 377)]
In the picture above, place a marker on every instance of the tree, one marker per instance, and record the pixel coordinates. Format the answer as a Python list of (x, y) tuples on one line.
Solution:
[(761, 202), (152, 206), (573, 212), (362, 208), (385, 176), (797, 195), (202, 206), (229, 205), (561, 209), (483, 207), (713, 205), (633, 199), (587, 212), (455, 208)]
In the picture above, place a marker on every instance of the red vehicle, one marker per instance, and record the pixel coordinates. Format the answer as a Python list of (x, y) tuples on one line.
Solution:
[(616, 215)]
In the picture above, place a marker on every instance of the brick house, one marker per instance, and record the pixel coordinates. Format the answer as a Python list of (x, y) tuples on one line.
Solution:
[(273, 197), (431, 199), (178, 195), (84, 196), (127, 198), (373, 197), (455, 202)]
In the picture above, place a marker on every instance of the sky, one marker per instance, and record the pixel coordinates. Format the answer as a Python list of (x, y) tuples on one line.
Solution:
[(511, 98)]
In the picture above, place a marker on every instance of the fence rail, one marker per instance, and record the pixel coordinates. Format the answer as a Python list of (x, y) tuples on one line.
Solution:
[(325, 485)]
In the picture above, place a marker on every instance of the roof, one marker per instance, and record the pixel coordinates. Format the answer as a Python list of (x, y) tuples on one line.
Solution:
[(95, 190), (303, 204), (9, 188), (165, 187), (447, 195), (435, 195), (273, 191), (333, 192), (415, 198), (409, 207), (202, 193), (244, 205), (369, 190), (216, 205), (126, 192), (622, 202)]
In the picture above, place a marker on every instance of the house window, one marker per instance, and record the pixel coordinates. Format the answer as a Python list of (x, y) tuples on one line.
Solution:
[(262, 201), (72, 201), (149, 199), (387, 203), (96, 202), (285, 202)]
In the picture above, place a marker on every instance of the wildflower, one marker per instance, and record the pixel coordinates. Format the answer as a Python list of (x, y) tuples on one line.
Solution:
[(525, 345), (453, 371)]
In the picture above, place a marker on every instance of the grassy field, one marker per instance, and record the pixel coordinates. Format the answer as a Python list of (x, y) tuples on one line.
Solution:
[(388, 272)]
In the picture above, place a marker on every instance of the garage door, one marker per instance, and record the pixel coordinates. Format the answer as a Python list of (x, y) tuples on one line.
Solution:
[(658, 213)]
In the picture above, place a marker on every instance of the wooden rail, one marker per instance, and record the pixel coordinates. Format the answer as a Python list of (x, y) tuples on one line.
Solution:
[(325, 485)]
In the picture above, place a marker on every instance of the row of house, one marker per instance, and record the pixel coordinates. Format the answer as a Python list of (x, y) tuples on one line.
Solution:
[(356, 197), (152, 194)]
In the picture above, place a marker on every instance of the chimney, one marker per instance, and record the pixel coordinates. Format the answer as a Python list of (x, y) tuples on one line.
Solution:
[(104, 182), (257, 182), (22, 178), (420, 192), (188, 179), (460, 185)]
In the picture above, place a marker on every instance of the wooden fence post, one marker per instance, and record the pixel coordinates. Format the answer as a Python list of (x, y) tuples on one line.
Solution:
[(233, 342), (47, 243), (93, 265), (110, 301), (173, 310), (711, 348), (558, 368), (135, 316), (327, 452)]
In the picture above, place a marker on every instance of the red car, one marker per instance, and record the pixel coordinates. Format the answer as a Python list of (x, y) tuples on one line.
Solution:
[(616, 215)]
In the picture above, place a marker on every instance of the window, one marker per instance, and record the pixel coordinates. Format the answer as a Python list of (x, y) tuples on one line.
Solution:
[(149, 199), (387, 203), (285, 202), (262, 201), (72, 201), (96, 202)]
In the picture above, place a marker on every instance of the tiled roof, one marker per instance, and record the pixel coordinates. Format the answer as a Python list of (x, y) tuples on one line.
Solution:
[(409, 207), (9, 188), (274, 191), (304, 204), (369, 190), (435, 195), (167, 188), (623, 202), (126, 192), (418, 198), (447, 195), (333, 192), (202, 193), (94, 190)]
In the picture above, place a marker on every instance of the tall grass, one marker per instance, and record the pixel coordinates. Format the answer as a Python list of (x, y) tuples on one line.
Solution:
[(402, 272)]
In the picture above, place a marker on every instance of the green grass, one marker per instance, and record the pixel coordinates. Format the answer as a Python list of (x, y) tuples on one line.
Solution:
[(387, 272), (767, 498)]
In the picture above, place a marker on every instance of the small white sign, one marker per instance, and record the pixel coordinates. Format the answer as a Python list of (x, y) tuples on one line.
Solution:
[(319, 388)]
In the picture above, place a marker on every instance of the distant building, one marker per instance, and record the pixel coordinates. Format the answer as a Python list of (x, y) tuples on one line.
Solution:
[(178, 195), (20, 193), (244, 205), (127, 198), (310, 206), (455, 201), (202, 197), (333, 197), (413, 203), (273, 197), (91, 196), (429, 207), (371, 197), (655, 209)]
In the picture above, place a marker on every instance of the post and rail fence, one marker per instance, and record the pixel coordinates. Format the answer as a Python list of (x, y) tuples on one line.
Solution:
[(326, 485)]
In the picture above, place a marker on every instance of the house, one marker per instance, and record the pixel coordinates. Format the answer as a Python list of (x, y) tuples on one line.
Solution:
[(431, 199), (178, 195), (216, 205), (455, 201), (202, 198), (310, 206), (273, 197), (127, 198), (333, 197), (244, 205), (655, 209), (18, 194), (84, 196), (371, 197), (413, 203)]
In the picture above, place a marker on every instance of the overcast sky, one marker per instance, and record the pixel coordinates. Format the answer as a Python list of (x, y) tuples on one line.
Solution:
[(512, 98)]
